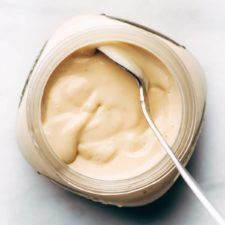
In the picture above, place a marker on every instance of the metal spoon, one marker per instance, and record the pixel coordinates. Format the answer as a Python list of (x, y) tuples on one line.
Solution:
[(130, 66)]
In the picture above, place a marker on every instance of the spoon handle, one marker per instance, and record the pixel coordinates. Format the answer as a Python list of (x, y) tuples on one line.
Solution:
[(184, 173)]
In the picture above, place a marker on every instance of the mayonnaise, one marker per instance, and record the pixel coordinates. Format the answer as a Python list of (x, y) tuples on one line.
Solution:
[(92, 117)]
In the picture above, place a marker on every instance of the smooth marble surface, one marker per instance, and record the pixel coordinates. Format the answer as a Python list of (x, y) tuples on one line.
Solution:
[(29, 199)]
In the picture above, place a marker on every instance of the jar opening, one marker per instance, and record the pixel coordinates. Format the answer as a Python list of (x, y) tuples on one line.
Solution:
[(138, 38)]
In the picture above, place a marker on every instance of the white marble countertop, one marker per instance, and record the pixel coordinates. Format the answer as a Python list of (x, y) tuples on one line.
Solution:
[(29, 199)]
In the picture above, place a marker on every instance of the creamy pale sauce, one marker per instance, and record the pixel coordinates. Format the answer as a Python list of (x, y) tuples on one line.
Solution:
[(92, 118)]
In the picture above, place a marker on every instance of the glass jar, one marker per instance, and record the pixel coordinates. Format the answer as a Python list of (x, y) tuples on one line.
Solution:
[(91, 29)]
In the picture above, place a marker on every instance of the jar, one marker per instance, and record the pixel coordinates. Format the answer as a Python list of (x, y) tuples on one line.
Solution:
[(91, 29)]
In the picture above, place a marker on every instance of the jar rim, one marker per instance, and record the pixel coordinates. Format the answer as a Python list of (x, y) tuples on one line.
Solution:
[(45, 67)]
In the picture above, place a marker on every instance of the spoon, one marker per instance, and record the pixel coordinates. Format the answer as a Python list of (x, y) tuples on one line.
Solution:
[(129, 65)]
